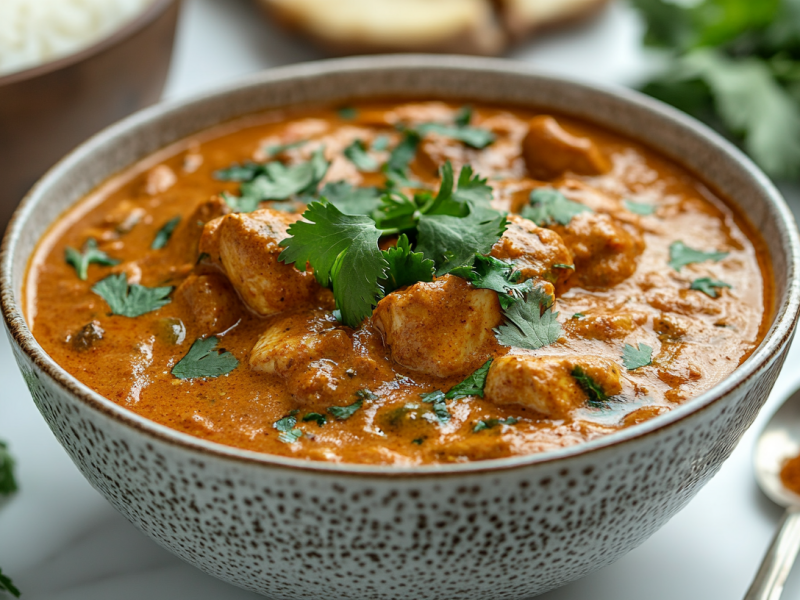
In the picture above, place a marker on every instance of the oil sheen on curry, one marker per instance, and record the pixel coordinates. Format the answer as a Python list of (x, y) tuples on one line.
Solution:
[(400, 283)]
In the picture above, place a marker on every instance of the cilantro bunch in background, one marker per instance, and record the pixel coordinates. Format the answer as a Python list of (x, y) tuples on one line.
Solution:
[(734, 64), (8, 485)]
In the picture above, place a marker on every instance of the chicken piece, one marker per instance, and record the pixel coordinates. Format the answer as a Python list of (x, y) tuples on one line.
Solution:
[(159, 180), (550, 151), (534, 250), (546, 383), (605, 326), (311, 352), (604, 251), (186, 238), (442, 328), (246, 247), (211, 300), (434, 150)]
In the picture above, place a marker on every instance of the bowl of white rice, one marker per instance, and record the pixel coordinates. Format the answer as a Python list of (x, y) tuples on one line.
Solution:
[(68, 68)]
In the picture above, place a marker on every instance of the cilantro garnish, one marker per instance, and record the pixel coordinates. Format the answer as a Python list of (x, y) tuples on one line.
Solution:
[(380, 143), (681, 255), (202, 361), (316, 417), (497, 275), (240, 204), (81, 260), (341, 413), (472, 385), (595, 392), (8, 485), (463, 116), (357, 154), (348, 113), (6, 585), (578, 316), (277, 181), (640, 208), (130, 300), (403, 153), (351, 200), (709, 286), (288, 433), (237, 172), (437, 399), (490, 423), (531, 324), (418, 441), (634, 357), (549, 207), (278, 148), (405, 267), (163, 235), (476, 137), (564, 266), (471, 192), (343, 251)]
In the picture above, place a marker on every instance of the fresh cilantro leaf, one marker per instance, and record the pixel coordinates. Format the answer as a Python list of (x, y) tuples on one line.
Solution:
[(236, 172), (634, 357), (343, 251), (288, 433), (527, 326), (405, 267), (348, 113), (278, 148), (241, 204), (470, 193), (403, 153), (437, 399), (597, 396), (202, 361), (279, 181), (380, 143), (357, 154), (351, 200), (549, 207), (6, 585), (463, 116), (709, 286), (81, 260), (341, 413), (490, 423), (316, 417), (640, 208), (681, 255), (130, 300), (493, 274), (8, 485), (472, 385), (578, 316), (365, 394), (400, 179), (475, 137), (163, 235)]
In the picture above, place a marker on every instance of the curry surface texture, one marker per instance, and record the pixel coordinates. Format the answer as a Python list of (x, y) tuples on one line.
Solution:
[(621, 220)]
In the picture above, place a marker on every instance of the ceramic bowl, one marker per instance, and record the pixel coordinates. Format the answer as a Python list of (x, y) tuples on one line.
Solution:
[(47, 110), (505, 528)]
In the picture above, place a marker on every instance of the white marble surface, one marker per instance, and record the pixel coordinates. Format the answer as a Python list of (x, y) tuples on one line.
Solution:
[(59, 540)]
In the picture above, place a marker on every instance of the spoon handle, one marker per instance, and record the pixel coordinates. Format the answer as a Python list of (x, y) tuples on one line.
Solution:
[(768, 583)]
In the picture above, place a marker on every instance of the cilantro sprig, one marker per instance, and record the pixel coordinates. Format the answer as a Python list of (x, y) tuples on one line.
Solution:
[(531, 324), (681, 255), (165, 233), (80, 261), (548, 207), (8, 484), (202, 361), (461, 130), (405, 267), (6, 585), (494, 274), (710, 287), (357, 154), (635, 357), (132, 300), (288, 433)]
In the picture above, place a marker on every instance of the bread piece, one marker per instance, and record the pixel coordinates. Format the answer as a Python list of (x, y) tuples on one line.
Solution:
[(521, 17), (369, 26)]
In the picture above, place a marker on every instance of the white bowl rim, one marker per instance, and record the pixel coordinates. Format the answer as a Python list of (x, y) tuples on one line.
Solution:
[(780, 333)]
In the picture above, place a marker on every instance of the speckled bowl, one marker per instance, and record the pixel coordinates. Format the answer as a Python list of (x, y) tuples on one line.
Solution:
[(506, 528)]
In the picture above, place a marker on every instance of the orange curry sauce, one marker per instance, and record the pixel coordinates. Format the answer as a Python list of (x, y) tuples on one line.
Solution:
[(622, 291)]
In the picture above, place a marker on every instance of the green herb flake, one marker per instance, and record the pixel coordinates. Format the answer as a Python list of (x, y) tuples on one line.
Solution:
[(634, 357), (640, 208), (497, 275), (8, 484), (596, 394), (356, 153), (550, 207), (81, 260), (490, 423), (6, 585), (439, 406), (240, 204), (380, 143), (708, 286), (277, 181), (201, 361), (405, 267), (476, 137), (531, 324), (130, 300), (288, 433), (564, 266), (681, 255), (403, 153), (463, 117), (472, 385), (316, 417), (418, 441), (365, 394), (351, 200), (347, 113), (342, 413), (578, 316), (165, 233), (278, 148)]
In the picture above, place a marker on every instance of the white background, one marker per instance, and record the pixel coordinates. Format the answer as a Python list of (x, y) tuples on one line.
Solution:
[(59, 539)]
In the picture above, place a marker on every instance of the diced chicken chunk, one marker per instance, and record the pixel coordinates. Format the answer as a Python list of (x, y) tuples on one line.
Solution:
[(603, 249), (212, 302), (159, 180), (442, 328), (246, 247), (534, 250), (186, 238), (550, 151), (546, 383)]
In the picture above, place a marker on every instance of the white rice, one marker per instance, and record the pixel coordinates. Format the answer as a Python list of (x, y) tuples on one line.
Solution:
[(33, 32)]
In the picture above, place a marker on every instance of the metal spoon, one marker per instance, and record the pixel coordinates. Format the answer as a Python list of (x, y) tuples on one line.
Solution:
[(779, 441)]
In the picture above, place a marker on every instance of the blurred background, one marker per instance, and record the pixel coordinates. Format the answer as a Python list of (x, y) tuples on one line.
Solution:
[(70, 67)]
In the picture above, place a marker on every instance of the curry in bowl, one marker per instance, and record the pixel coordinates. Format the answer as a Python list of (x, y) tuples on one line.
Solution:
[(400, 283)]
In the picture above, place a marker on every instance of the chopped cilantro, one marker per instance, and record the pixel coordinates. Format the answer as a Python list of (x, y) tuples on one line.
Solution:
[(578, 316), (681, 255), (278, 148), (549, 207), (472, 385), (288, 433), (8, 485), (437, 399), (130, 300), (493, 274), (357, 154), (343, 251), (405, 267), (341, 413), (640, 208), (709, 286), (596, 394), (527, 326), (365, 394), (316, 417), (277, 181), (380, 143), (471, 192), (348, 113), (240, 204), (237, 172), (418, 441), (6, 585), (351, 200), (476, 137), (403, 153), (202, 361), (563, 266), (81, 260), (490, 423), (463, 116), (634, 357), (163, 235)]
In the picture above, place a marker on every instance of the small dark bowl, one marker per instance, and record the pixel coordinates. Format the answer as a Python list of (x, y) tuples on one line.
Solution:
[(47, 110)]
